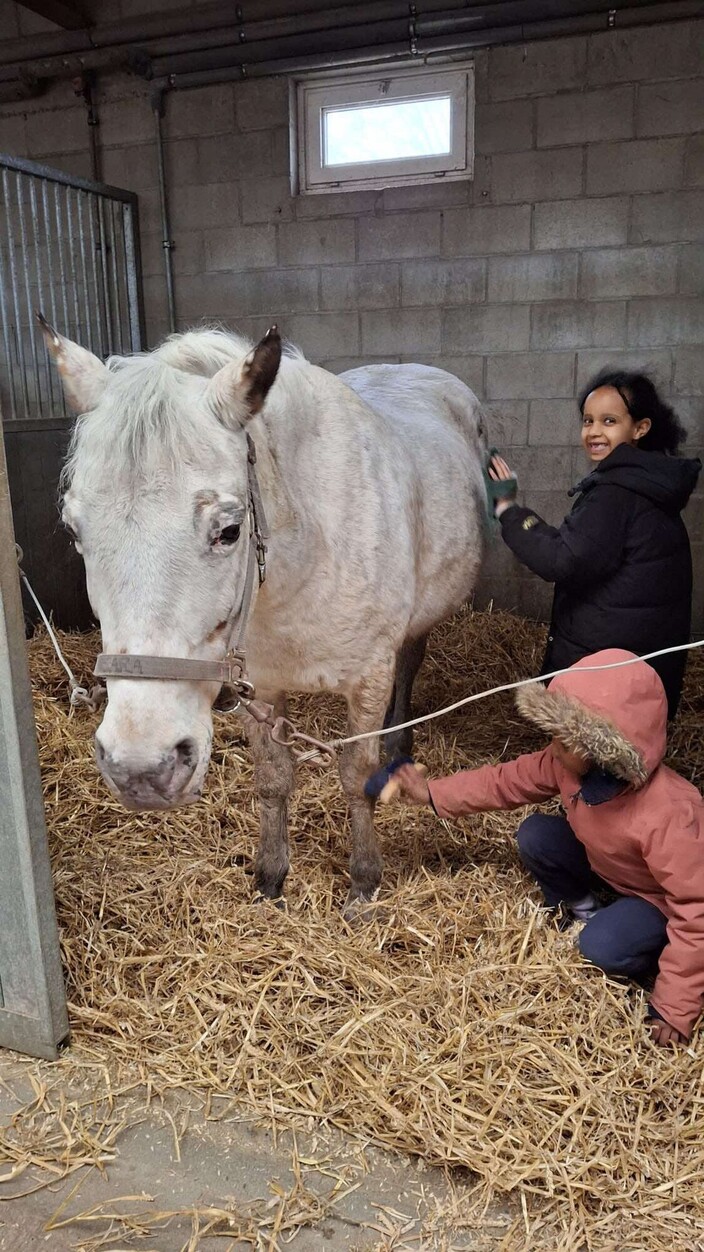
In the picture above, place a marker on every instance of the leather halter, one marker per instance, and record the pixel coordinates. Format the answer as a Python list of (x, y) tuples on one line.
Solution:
[(230, 672)]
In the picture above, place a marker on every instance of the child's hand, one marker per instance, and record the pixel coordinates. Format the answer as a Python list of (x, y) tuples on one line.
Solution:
[(500, 471), (413, 786), (663, 1033)]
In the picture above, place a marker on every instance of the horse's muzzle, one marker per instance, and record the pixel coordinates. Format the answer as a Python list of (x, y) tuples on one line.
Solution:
[(166, 784)]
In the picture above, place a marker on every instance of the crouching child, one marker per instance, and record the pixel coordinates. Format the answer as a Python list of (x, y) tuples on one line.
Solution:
[(630, 822)]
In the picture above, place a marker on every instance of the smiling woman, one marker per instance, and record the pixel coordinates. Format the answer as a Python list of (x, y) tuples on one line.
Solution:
[(621, 561)]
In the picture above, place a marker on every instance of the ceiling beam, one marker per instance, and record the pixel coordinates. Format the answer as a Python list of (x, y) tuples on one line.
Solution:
[(64, 13)]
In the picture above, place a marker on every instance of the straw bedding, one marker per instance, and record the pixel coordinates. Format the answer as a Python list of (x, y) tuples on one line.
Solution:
[(459, 1026)]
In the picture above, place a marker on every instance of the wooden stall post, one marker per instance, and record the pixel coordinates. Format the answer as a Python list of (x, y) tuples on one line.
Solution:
[(33, 1016)]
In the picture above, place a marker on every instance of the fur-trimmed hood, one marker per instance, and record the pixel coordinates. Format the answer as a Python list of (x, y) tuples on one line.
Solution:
[(618, 717)]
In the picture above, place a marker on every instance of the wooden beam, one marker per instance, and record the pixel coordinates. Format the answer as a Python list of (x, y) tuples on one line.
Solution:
[(64, 13)]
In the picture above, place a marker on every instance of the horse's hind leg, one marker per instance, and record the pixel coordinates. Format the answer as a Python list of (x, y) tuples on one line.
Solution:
[(273, 784), (358, 760), (408, 662)]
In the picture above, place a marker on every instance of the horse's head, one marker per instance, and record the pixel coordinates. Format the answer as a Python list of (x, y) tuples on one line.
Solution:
[(156, 496)]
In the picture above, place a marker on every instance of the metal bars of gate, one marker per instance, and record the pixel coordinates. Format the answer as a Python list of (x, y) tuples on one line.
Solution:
[(70, 247)]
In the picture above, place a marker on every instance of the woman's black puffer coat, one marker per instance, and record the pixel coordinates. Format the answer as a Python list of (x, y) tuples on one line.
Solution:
[(621, 562)]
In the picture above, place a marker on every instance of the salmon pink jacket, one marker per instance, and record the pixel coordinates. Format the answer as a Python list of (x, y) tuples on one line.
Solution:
[(648, 841)]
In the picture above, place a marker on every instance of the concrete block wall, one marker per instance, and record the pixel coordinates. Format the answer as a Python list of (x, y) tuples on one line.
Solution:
[(580, 240)]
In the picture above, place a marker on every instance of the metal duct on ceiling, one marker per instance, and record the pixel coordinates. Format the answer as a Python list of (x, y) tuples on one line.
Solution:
[(345, 35)]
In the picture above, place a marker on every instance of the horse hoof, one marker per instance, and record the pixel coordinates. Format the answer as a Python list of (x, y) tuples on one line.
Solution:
[(361, 909), (279, 902)]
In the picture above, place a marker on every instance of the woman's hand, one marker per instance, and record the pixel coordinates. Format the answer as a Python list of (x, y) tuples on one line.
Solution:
[(500, 471), (413, 786), (663, 1033)]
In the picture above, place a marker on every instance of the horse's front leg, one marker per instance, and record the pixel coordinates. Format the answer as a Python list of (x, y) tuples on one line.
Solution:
[(366, 705), (273, 784)]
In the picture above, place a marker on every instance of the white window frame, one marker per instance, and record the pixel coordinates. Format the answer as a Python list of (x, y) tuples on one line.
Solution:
[(312, 95)]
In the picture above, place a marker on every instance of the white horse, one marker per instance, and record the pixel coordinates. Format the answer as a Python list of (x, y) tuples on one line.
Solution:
[(372, 483)]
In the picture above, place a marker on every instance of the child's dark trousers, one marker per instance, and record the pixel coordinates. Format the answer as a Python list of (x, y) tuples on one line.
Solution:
[(625, 937)]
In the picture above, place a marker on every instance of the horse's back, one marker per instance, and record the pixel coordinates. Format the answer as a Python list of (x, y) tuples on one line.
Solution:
[(414, 394)]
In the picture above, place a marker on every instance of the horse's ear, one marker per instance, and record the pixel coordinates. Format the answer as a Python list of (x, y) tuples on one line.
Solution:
[(83, 375), (239, 391)]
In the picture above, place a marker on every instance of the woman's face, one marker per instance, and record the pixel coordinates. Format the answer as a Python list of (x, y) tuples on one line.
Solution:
[(606, 423)]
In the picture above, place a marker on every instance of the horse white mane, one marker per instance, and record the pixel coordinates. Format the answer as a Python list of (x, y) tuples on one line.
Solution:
[(150, 408)]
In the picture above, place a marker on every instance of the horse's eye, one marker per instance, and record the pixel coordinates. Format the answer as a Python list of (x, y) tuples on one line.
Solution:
[(228, 536)]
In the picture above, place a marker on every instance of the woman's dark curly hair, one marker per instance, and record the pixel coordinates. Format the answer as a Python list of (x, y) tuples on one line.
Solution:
[(640, 396)]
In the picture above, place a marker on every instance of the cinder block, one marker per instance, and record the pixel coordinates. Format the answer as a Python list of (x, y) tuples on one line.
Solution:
[(231, 157), (187, 254), (339, 204), (280, 153), (639, 165), (266, 200), (134, 169), (476, 231), (507, 423), (675, 108), (399, 235), (578, 324), (533, 277), (662, 320), (325, 335), (540, 470), (126, 122), (439, 195), (240, 248), (690, 410), (340, 364), (694, 162), (654, 361), (443, 282), (316, 243), (409, 331), (208, 205), (528, 176), (182, 162), (698, 596), (260, 103), (581, 223), (691, 270), (532, 69), (361, 286), (676, 216), (272, 295), (504, 126), (554, 422), (469, 370), (528, 375), (13, 134), (649, 53), (585, 116), (199, 111), (62, 130), (693, 517), (689, 371), (486, 328), (628, 272)]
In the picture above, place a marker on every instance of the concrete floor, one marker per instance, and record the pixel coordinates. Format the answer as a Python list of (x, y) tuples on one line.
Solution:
[(344, 1194)]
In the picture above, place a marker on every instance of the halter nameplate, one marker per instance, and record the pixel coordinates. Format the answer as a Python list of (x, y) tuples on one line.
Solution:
[(173, 668)]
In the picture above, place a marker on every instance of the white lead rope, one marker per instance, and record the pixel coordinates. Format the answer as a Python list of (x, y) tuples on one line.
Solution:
[(493, 691), (80, 695)]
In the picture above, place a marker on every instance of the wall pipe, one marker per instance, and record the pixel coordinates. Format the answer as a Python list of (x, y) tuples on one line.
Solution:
[(67, 54), (158, 106), (244, 65)]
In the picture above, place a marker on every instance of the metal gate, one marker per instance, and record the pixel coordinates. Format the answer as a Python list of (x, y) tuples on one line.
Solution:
[(70, 247)]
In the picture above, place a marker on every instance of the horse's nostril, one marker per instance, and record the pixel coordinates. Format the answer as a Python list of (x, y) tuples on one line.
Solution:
[(187, 752)]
